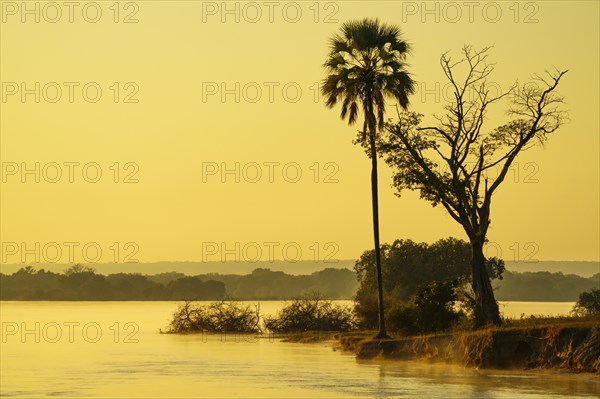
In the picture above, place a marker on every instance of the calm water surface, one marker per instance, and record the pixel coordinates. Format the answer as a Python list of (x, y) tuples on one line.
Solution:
[(88, 349)]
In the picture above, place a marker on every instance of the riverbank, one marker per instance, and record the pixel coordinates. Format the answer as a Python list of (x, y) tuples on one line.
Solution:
[(567, 344), (571, 345)]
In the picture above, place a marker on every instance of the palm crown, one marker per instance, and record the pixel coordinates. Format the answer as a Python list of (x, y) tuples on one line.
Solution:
[(366, 64)]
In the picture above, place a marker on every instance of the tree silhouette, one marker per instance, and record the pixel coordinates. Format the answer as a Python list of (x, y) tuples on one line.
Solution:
[(365, 65), (407, 265), (450, 163)]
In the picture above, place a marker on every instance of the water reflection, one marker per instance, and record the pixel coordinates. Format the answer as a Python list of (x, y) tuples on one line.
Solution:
[(431, 379)]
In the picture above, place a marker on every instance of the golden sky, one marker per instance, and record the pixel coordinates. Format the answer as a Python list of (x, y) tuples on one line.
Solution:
[(189, 89)]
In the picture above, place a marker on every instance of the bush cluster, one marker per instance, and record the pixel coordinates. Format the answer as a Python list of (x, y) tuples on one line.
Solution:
[(217, 317), (311, 313), (430, 309), (588, 303), (407, 265)]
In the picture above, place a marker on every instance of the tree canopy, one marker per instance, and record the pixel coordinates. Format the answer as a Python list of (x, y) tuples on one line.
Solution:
[(407, 266)]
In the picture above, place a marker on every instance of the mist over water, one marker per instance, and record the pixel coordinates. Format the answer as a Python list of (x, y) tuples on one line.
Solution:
[(114, 349)]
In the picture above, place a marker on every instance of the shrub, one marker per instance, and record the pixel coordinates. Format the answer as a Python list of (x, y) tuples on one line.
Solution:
[(311, 313), (430, 309), (407, 265), (402, 318), (230, 317), (366, 308), (588, 303)]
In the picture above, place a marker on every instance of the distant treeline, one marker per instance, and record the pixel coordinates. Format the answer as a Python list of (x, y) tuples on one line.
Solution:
[(81, 283), (302, 267), (190, 268), (266, 284), (543, 286)]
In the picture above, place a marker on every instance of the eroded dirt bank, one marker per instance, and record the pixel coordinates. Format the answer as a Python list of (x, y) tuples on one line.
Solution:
[(576, 349)]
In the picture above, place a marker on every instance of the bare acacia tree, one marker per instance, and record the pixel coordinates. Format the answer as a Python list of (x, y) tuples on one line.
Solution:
[(450, 163)]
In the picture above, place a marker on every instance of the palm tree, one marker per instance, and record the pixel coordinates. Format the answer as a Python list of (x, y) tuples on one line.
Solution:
[(365, 65)]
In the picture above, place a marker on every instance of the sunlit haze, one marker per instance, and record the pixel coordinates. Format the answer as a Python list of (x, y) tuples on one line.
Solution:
[(210, 130)]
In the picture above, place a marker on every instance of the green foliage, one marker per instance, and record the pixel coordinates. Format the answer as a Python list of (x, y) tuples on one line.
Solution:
[(311, 313), (402, 318), (407, 265), (217, 317), (588, 303), (430, 309)]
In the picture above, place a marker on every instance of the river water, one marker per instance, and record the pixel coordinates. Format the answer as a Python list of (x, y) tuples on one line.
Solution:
[(115, 350)]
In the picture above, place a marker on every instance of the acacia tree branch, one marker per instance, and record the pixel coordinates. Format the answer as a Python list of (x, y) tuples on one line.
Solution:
[(452, 213), (465, 191), (455, 211), (542, 103)]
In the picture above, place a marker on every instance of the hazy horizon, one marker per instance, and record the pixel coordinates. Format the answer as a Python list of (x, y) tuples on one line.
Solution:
[(581, 268)]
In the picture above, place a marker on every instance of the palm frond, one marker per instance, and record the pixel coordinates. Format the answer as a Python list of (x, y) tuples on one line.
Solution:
[(366, 63)]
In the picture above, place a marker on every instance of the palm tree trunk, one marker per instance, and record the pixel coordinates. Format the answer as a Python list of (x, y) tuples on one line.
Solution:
[(375, 202)]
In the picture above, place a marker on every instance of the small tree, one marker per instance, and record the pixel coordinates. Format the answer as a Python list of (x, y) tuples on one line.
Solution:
[(216, 317), (311, 313), (449, 163), (78, 269), (588, 303)]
